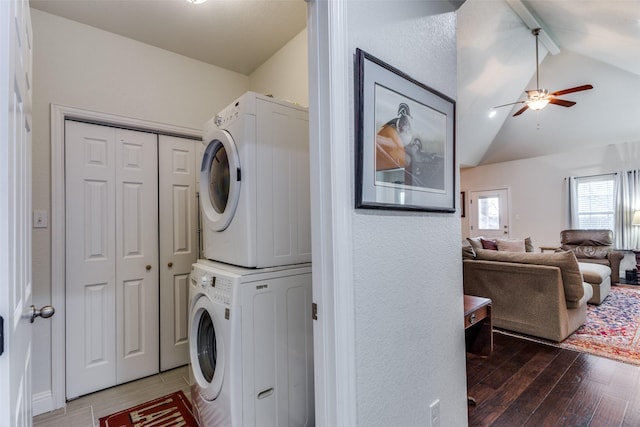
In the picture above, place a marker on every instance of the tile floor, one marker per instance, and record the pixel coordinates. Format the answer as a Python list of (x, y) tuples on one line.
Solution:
[(87, 410)]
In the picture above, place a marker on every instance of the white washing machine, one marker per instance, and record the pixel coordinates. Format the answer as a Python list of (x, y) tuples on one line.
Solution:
[(251, 345), (254, 184)]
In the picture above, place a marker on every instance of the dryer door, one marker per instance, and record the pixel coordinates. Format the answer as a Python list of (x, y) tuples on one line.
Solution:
[(220, 180), (206, 348)]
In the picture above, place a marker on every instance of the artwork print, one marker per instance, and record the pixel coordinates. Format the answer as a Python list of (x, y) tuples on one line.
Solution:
[(410, 142), (405, 136)]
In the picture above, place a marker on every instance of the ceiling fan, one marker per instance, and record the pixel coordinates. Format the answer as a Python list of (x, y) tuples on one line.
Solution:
[(539, 98)]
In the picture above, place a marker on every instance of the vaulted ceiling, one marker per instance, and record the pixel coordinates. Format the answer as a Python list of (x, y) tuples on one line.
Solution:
[(593, 41), (596, 42)]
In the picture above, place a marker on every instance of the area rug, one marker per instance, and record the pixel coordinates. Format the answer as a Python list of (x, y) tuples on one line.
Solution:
[(172, 410), (612, 328)]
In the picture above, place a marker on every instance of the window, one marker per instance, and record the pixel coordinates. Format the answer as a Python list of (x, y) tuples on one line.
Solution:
[(595, 202)]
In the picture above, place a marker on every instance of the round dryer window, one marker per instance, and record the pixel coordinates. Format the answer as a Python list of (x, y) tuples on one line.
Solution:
[(220, 180)]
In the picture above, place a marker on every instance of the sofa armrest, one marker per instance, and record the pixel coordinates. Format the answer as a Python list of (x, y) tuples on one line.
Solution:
[(526, 298), (615, 257)]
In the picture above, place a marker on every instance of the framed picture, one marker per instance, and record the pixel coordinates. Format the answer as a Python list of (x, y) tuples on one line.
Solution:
[(463, 203), (405, 154)]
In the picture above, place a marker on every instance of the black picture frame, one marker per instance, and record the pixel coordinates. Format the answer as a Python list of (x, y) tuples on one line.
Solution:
[(405, 141), (463, 204)]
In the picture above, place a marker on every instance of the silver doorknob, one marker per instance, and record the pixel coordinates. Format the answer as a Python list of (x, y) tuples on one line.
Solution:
[(45, 312)]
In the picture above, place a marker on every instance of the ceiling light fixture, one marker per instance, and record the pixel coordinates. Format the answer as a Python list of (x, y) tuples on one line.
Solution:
[(196, 1), (492, 113)]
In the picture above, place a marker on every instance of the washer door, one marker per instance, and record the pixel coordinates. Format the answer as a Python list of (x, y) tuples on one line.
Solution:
[(220, 180), (206, 348)]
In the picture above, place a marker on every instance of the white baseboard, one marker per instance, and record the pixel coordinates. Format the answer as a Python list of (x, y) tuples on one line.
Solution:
[(42, 402)]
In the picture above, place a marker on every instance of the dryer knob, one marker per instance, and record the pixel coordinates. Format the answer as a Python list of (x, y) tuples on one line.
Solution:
[(218, 120)]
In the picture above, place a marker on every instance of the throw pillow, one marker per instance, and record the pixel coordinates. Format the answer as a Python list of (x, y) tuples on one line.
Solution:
[(475, 242), (489, 244), (528, 244), (511, 245)]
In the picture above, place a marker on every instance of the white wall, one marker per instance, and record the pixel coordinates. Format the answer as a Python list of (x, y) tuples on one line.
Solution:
[(81, 66), (537, 186), (285, 75), (407, 276)]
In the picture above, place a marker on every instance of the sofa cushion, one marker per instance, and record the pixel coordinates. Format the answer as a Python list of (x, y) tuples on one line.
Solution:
[(511, 245), (467, 251), (566, 261), (587, 243), (476, 243), (594, 273)]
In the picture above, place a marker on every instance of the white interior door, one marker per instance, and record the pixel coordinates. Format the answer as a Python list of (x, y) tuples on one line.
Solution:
[(137, 274), (90, 258), (15, 208), (178, 245), (489, 213), (111, 256)]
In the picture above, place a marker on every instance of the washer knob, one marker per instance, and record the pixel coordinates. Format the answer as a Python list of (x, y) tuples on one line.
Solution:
[(206, 281)]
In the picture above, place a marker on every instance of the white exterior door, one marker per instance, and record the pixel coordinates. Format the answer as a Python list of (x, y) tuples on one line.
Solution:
[(15, 208), (489, 213), (111, 256), (178, 245)]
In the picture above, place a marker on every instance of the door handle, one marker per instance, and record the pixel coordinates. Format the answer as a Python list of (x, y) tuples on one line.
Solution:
[(170, 264), (45, 312), (148, 267)]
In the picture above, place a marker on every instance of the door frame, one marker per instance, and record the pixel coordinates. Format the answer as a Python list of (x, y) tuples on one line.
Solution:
[(59, 113)]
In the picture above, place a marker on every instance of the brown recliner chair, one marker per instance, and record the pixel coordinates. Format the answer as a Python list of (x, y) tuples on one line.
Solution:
[(594, 246)]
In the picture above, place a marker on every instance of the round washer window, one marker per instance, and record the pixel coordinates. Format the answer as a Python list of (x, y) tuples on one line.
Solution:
[(207, 351), (219, 178)]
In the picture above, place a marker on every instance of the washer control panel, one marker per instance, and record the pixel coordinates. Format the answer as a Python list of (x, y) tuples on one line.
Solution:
[(218, 288)]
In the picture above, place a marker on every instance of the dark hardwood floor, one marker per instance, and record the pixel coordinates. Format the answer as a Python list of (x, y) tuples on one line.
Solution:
[(524, 383)]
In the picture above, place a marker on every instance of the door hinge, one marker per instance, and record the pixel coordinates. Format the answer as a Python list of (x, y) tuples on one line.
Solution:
[(314, 311), (1, 335)]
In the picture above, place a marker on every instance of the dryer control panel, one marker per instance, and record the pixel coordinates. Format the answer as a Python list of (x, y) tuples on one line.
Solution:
[(228, 115)]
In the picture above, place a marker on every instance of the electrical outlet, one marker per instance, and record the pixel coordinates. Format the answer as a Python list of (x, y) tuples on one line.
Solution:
[(434, 414)]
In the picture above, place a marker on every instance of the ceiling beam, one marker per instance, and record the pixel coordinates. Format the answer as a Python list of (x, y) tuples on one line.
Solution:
[(531, 21)]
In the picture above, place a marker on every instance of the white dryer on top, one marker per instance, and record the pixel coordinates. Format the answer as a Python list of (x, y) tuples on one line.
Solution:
[(254, 184)]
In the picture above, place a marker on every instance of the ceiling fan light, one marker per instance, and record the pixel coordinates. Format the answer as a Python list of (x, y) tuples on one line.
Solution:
[(537, 104)]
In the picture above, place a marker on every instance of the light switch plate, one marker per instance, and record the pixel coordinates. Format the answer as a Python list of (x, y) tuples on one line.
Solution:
[(40, 219)]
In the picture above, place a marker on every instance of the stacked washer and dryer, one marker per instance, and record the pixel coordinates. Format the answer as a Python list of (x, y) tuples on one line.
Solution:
[(251, 344)]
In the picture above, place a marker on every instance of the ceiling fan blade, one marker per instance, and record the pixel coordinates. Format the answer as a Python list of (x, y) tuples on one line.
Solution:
[(571, 90), (511, 103), (562, 102), (520, 111)]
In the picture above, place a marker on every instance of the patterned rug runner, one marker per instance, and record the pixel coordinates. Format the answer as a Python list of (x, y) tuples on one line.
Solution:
[(612, 328), (172, 410)]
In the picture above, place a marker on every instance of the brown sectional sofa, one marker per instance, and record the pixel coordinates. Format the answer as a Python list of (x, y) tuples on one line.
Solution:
[(538, 294)]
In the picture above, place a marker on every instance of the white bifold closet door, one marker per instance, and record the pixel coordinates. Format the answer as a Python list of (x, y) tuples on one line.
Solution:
[(112, 270), (178, 245)]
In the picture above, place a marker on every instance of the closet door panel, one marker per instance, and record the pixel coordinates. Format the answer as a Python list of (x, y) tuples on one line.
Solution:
[(90, 258), (178, 245), (137, 274)]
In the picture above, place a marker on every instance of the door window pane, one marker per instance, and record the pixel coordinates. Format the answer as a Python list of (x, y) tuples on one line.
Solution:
[(489, 213)]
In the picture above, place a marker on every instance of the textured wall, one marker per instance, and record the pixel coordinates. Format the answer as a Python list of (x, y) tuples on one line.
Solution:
[(407, 266)]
